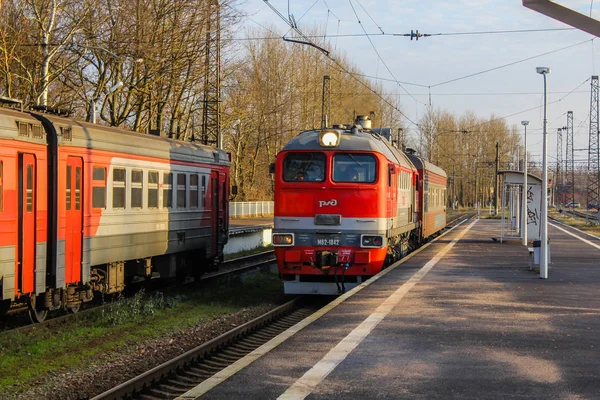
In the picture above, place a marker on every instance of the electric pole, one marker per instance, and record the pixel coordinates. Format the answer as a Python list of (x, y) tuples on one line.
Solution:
[(496, 180)]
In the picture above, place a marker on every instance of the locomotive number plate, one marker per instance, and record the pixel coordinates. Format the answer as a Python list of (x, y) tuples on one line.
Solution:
[(328, 242)]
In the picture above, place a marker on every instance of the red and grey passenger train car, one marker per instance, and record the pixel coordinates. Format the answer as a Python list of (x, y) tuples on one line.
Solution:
[(87, 208), (347, 204)]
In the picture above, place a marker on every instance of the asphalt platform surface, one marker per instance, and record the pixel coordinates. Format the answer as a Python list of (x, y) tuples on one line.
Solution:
[(463, 318)]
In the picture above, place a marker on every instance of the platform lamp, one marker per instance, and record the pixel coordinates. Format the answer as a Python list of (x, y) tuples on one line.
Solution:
[(544, 220), (524, 201)]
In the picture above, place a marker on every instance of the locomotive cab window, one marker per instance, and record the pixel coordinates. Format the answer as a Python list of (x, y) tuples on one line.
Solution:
[(304, 167), (354, 168)]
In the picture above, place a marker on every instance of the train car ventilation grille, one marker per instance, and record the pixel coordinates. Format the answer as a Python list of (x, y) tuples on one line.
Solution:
[(37, 132), (328, 219), (23, 129), (67, 133)]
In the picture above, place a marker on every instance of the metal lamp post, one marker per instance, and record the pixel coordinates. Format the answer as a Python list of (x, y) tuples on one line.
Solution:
[(93, 102), (524, 201), (544, 220)]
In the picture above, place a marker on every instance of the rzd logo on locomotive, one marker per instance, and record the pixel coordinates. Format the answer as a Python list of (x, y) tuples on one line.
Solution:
[(323, 203)]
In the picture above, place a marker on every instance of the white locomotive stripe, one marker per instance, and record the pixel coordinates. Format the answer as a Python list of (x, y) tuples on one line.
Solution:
[(309, 381), (578, 237), (308, 223), (282, 337)]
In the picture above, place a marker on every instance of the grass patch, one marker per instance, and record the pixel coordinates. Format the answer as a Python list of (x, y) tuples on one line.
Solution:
[(576, 222), (26, 358)]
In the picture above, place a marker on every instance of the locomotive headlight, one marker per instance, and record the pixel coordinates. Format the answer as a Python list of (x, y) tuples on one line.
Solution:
[(371, 241), (283, 239), (329, 138)]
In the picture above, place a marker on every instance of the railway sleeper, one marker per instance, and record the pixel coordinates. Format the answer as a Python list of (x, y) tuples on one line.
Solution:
[(182, 380)]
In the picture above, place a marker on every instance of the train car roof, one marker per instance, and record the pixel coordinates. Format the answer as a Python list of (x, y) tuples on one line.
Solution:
[(10, 119), (99, 137), (360, 140), (421, 163)]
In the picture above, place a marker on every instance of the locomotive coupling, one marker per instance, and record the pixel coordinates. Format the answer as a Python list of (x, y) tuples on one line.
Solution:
[(325, 259)]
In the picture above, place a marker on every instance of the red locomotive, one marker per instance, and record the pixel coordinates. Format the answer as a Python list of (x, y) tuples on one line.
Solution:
[(87, 208), (347, 204)]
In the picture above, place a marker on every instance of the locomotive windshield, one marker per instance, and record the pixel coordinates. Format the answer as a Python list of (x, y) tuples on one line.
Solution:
[(354, 168), (299, 167)]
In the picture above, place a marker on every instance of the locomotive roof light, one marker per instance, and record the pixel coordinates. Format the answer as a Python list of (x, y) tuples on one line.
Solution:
[(329, 138)]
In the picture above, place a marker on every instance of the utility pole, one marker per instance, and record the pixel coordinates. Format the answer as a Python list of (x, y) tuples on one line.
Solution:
[(570, 167), (594, 151), (453, 186), (496, 180), (326, 102), (211, 113), (559, 171)]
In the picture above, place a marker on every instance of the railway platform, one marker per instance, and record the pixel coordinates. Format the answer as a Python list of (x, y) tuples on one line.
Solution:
[(463, 317)]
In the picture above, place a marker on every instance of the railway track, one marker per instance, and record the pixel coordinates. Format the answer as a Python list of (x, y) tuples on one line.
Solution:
[(177, 376), (186, 371), (18, 321)]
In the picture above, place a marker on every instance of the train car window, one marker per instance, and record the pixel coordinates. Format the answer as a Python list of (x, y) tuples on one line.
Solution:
[(137, 188), (1, 187), (77, 188), (203, 191), (99, 187), (194, 191), (29, 188), (68, 182), (304, 167), (167, 190), (354, 168), (181, 182), (152, 189), (119, 188)]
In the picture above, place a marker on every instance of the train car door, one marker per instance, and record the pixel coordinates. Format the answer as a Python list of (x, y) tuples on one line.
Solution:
[(223, 220), (27, 205), (74, 216), (214, 212)]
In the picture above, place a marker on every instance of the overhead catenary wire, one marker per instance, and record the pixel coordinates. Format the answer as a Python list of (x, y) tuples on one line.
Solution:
[(349, 35), (512, 63), (377, 52), (326, 53)]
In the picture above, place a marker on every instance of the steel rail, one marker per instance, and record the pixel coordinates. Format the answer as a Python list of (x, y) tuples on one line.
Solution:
[(145, 380)]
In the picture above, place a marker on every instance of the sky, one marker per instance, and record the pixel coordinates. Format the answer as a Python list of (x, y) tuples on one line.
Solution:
[(424, 66)]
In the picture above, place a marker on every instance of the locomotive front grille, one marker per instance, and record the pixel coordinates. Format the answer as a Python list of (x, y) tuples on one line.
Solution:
[(328, 219)]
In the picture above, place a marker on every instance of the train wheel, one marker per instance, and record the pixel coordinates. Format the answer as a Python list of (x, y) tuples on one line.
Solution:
[(74, 309), (35, 314)]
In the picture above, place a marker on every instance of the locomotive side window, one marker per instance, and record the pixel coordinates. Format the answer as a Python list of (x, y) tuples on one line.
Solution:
[(119, 188), (354, 168), (194, 191), (181, 182), (299, 167), (1, 187), (152, 189), (167, 190), (137, 179), (99, 187)]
